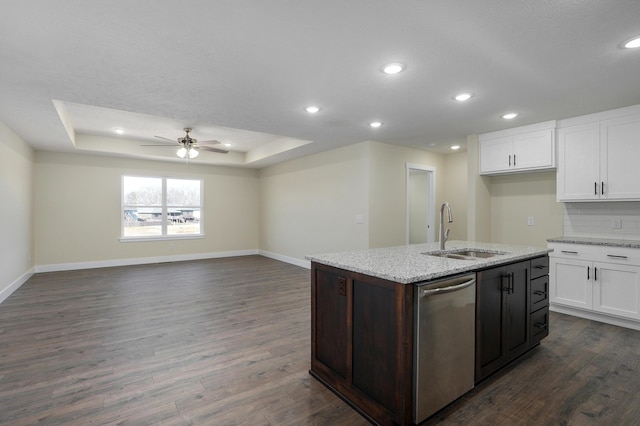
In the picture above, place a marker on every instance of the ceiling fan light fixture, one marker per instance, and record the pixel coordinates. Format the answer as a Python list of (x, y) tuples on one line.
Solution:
[(193, 153), (181, 152)]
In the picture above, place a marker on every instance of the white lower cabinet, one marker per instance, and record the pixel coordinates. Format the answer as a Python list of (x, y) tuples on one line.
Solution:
[(597, 279), (615, 289), (569, 283)]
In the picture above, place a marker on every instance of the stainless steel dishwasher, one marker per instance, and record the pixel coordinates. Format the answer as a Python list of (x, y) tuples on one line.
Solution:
[(444, 342)]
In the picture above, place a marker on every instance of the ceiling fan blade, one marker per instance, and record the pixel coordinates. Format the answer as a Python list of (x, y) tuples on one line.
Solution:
[(208, 148), (211, 142), (167, 139)]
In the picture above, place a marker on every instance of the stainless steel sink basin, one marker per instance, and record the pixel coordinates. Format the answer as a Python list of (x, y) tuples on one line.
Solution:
[(466, 254)]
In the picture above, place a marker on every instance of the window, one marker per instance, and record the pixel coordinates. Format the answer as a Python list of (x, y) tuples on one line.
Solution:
[(157, 207)]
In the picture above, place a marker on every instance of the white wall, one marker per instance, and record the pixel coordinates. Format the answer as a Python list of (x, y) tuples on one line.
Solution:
[(77, 219), (16, 213), (309, 205)]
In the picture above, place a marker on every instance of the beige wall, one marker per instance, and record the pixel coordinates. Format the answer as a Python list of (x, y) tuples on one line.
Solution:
[(516, 197), (455, 192), (387, 189), (309, 205), (478, 196), (16, 214), (499, 206), (77, 201)]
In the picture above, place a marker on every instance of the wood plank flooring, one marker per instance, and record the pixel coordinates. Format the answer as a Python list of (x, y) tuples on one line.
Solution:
[(226, 342)]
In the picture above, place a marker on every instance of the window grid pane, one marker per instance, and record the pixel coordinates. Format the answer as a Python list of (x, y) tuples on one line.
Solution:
[(156, 207)]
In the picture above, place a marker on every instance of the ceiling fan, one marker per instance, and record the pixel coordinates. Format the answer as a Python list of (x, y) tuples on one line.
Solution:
[(188, 146)]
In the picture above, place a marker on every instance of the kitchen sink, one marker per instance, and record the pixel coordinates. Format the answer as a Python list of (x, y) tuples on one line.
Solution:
[(466, 254)]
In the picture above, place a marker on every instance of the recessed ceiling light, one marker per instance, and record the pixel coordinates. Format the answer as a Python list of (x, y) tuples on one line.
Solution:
[(118, 130), (393, 68), (454, 147), (510, 116), (632, 43), (463, 97), (312, 109), (227, 144), (375, 124)]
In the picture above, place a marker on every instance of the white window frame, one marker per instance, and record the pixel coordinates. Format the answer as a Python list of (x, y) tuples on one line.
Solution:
[(165, 208)]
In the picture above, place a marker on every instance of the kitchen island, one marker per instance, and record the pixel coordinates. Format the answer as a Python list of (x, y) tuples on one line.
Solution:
[(363, 316)]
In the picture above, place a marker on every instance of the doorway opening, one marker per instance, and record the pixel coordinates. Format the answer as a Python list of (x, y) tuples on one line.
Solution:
[(420, 198)]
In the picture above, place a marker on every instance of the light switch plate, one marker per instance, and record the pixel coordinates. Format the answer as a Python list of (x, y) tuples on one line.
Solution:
[(531, 221)]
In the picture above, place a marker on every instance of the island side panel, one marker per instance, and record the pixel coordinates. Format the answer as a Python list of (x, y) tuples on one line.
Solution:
[(378, 322)]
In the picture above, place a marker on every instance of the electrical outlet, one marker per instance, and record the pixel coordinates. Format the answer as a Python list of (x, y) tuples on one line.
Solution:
[(616, 223), (531, 221), (342, 286)]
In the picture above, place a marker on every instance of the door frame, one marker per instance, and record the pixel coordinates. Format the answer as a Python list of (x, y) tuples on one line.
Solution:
[(431, 200)]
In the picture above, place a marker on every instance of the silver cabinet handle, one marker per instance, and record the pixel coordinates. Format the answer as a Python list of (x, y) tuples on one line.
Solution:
[(568, 251), (449, 289)]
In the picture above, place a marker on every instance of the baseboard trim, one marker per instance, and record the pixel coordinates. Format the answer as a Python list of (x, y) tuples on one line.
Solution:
[(286, 259), (16, 284), (595, 316), (141, 261)]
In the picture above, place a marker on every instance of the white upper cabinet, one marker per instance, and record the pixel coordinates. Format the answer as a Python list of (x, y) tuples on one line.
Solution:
[(598, 160), (578, 163), (517, 150)]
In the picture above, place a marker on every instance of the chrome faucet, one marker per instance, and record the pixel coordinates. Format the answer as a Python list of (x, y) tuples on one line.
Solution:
[(444, 235)]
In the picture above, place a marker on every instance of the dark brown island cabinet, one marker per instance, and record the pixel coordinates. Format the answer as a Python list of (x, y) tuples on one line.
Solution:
[(362, 332)]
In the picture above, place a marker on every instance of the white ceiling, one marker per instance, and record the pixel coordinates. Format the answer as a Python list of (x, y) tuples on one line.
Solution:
[(153, 67)]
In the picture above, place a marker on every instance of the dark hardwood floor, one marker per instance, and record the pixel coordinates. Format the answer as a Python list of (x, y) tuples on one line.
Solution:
[(226, 342)]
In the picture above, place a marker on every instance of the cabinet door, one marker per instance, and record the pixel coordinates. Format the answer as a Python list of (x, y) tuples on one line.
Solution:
[(496, 155), (620, 151), (570, 282), (616, 289), (578, 163), (329, 324), (492, 285), (517, 312), (534, 150), (502, 316)]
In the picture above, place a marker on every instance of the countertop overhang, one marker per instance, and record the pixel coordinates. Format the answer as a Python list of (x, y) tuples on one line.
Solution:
[(408, 264), (606, 242)]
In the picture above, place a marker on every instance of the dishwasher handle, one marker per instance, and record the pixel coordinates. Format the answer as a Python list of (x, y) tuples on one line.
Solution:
[(442, 290)]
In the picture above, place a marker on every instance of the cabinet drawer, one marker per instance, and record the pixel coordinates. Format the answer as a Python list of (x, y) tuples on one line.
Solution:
[(539, 325), (539, 293), (539, 267)]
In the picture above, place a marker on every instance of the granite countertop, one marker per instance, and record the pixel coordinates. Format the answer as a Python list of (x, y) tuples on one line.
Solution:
[(408, 264), (608, 242)]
